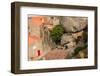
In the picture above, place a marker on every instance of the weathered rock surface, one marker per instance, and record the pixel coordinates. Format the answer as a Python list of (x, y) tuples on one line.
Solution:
[(68, 43), (74, 24), (66, 38)]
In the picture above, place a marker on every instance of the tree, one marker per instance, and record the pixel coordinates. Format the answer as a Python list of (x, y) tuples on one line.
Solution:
[(56, 33)]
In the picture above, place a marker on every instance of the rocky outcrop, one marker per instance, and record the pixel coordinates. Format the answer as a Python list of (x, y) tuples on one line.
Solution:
[(71, 38), (68, 43), (74, 24), (66, 38)]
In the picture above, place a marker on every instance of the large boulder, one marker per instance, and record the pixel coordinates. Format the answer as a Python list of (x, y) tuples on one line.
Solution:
[(74, 24), (68, 43), (66, 38)]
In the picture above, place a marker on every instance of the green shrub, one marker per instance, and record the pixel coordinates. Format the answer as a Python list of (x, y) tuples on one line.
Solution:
[(78, 49), (56, 33)]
